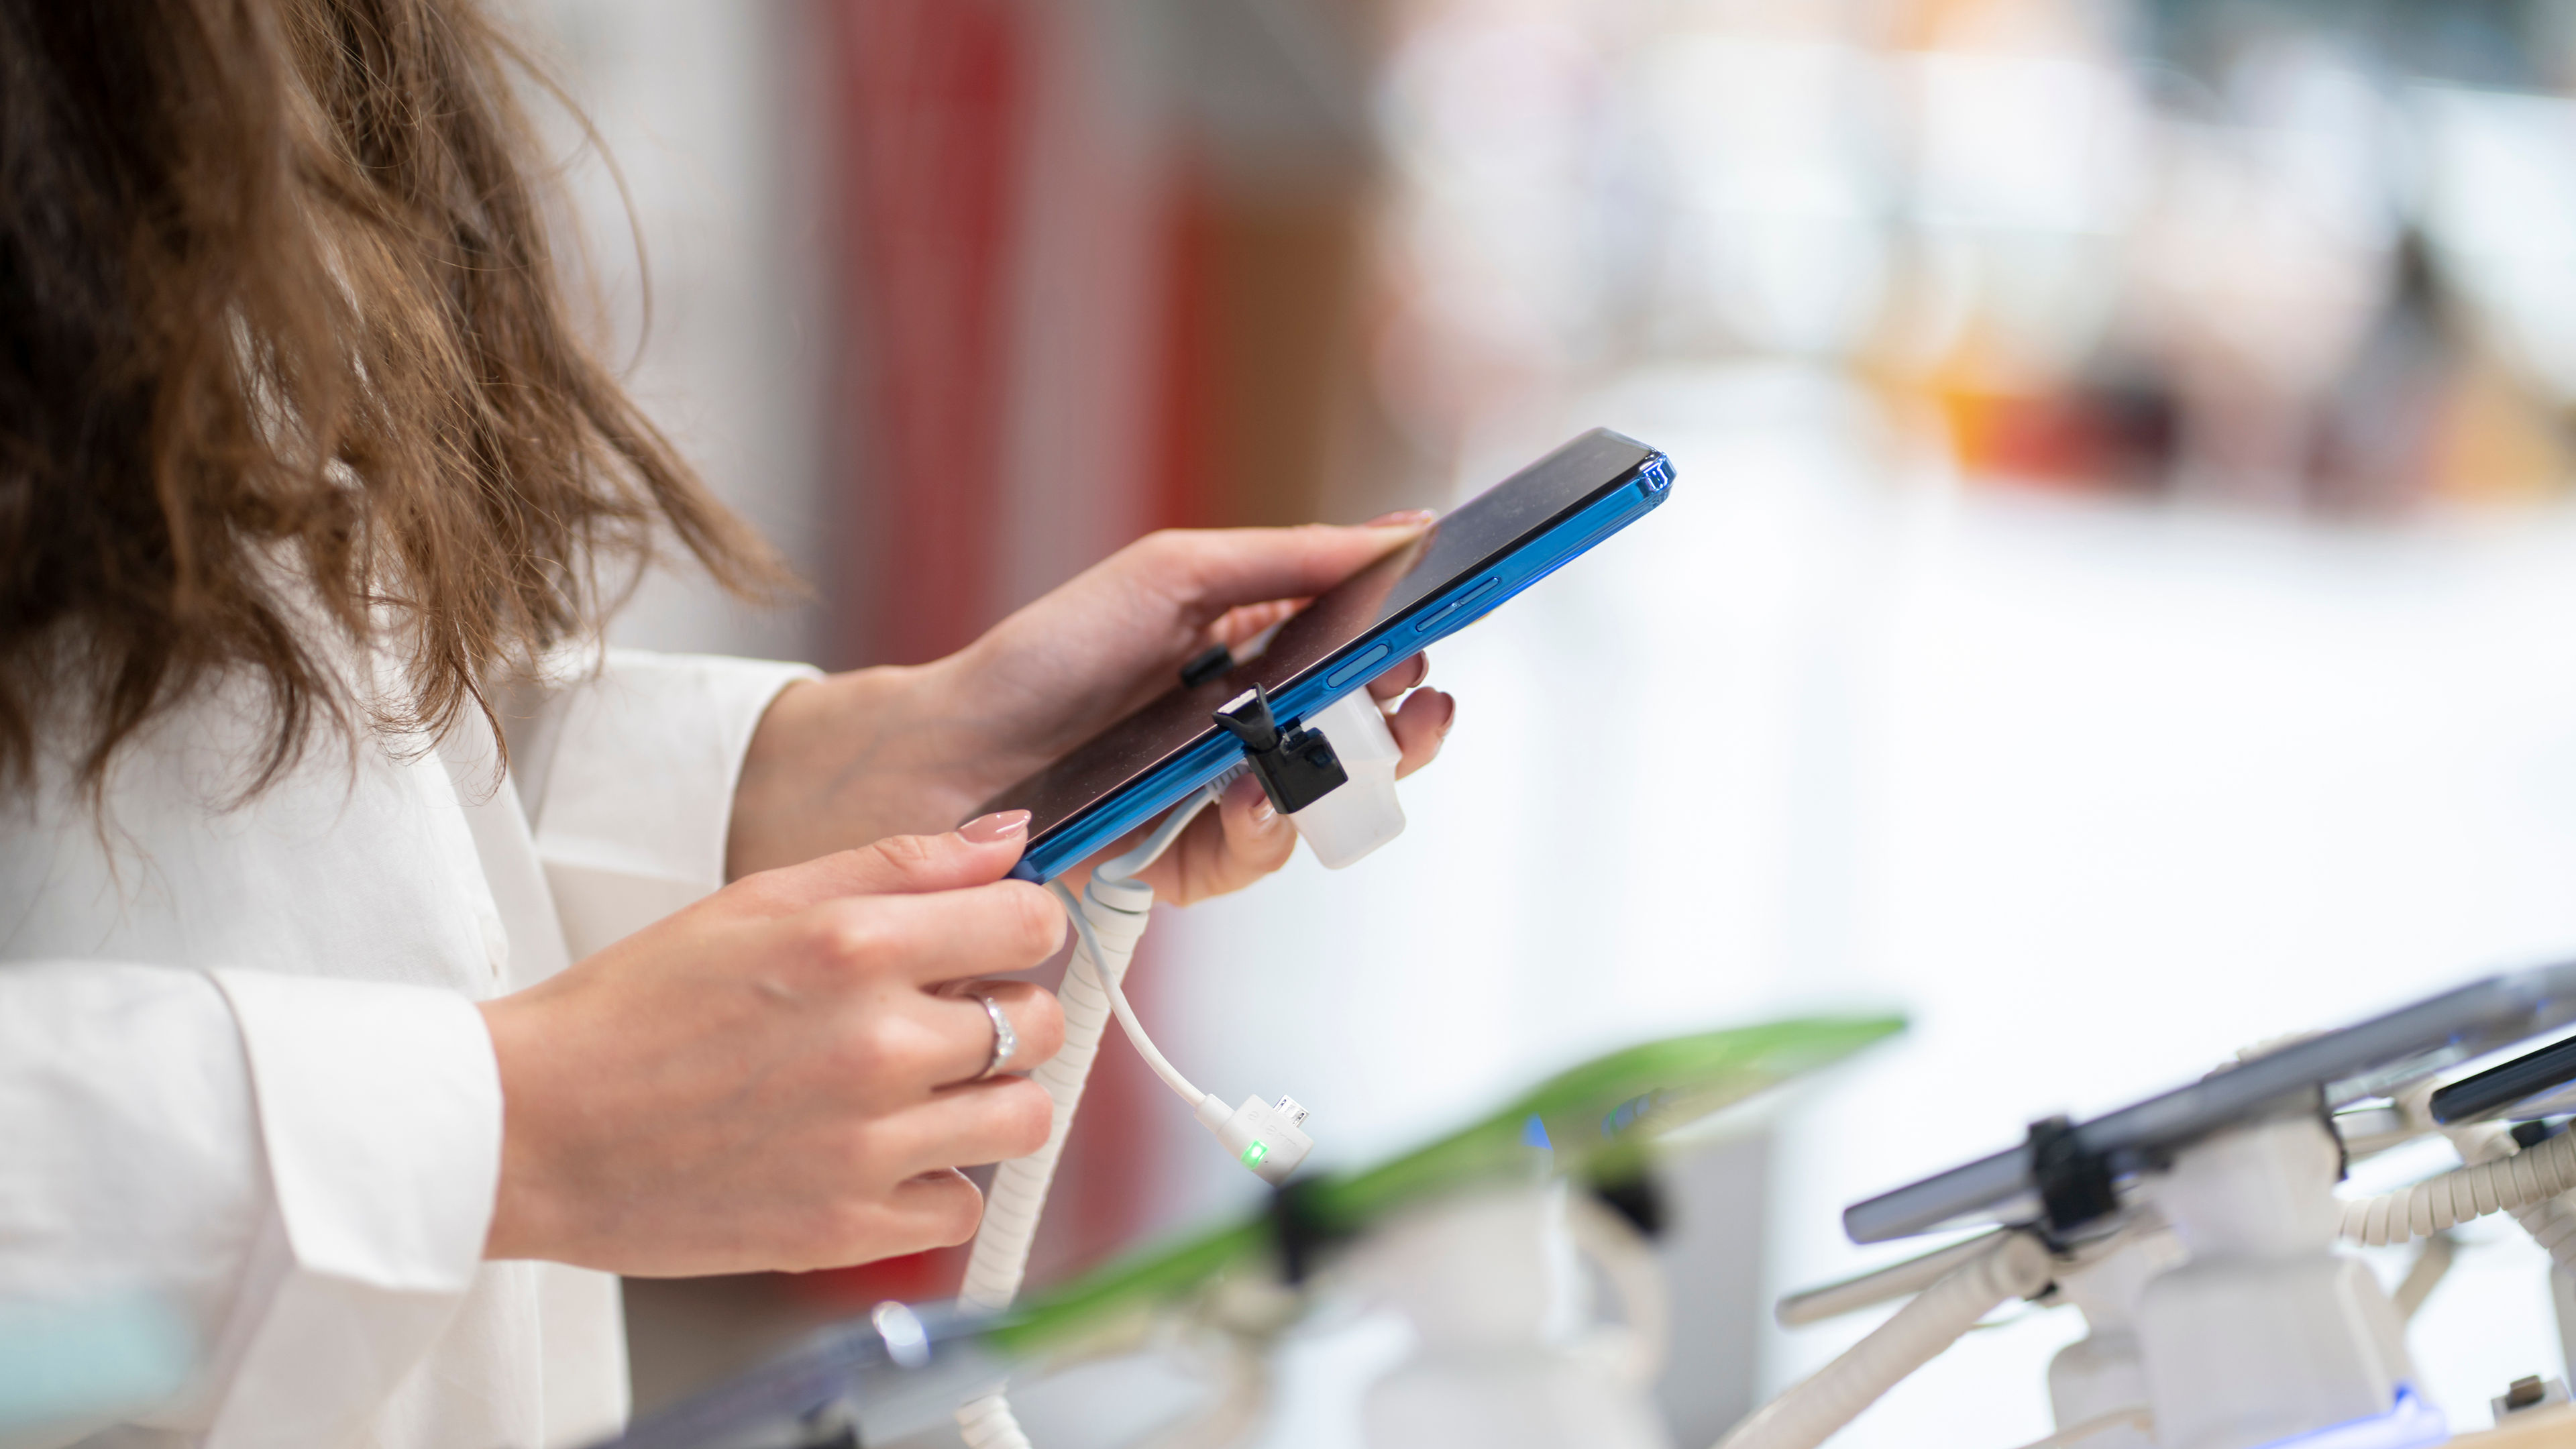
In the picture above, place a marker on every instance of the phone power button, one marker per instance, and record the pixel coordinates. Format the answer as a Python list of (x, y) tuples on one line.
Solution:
[(1343, 675)]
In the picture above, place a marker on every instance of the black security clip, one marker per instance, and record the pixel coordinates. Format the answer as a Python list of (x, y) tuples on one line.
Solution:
[(2076, 1189), (1297, 766)]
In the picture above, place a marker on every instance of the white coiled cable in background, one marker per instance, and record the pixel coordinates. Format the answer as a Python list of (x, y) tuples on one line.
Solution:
[(2551, 1222), (1109, 919), (2524, 1180), (985, 1422), (2017, 1266)]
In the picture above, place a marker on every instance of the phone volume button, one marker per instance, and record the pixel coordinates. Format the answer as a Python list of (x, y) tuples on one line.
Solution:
[(1450, 610)]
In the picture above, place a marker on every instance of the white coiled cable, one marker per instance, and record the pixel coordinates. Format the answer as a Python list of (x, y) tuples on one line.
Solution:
[(2551, 1222), (985, 1422), (2017, 1266), (2524, 1180), (1109, 919)]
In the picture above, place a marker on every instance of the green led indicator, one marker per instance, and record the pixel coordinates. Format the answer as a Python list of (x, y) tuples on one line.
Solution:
[(1252, 1155)]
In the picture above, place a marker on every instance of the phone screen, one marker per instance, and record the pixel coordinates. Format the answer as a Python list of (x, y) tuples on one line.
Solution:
[(1492, 534)]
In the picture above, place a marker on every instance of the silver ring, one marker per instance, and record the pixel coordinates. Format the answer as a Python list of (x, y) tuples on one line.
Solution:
[(1006, 1042)]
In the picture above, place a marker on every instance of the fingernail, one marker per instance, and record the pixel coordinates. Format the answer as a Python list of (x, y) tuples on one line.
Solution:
[(1263, 812), (1401, 518), (994, 828), (1448, 713)]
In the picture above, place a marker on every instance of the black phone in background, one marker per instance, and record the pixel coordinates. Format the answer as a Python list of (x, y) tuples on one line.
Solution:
[(2319, 1073)]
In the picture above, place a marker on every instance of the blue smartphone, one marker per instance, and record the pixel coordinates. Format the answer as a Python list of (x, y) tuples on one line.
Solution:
[(1484, 551)]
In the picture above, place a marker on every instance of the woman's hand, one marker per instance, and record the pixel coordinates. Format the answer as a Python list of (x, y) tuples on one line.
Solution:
[(848, 759), (784, 1075)]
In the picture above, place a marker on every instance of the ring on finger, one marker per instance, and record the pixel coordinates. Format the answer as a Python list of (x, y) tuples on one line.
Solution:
[(1006, 1040)]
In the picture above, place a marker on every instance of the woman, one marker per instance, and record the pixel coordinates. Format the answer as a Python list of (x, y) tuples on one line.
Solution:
[(382, 966)]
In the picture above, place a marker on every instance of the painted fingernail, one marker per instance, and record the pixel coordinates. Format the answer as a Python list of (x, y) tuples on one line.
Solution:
[(994, 828), (1401, 518)]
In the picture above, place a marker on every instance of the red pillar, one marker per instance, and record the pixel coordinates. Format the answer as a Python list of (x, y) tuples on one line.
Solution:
[(933, 101), (931, 97)]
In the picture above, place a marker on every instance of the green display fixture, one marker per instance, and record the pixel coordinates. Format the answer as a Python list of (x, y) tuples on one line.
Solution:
[(1601, 1121)]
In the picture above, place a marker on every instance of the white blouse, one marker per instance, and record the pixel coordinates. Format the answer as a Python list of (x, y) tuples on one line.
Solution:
[(241, 1068)]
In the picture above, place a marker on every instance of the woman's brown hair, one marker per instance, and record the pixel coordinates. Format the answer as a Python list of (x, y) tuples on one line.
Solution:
[(284, 356)]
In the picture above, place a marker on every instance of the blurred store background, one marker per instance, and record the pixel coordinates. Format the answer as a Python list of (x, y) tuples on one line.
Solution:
[(2119, 603)]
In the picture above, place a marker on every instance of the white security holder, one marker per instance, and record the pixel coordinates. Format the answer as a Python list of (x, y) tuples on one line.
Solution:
[(2268, 1334), (2101, 1378), (1505, 1355)]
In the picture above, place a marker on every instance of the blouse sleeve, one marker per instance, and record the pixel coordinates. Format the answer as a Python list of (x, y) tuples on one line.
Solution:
[(628, 780), (301, 1169)]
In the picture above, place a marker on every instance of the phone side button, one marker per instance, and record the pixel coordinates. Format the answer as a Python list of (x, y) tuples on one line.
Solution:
[(1451, 610), (1351, 668)]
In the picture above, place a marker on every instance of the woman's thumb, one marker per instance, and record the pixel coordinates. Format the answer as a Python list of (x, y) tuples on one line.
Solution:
[(979, 852)]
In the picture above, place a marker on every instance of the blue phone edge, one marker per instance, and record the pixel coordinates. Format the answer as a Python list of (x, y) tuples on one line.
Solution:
[(1150, 796)]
